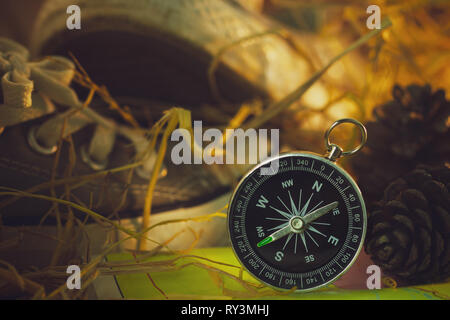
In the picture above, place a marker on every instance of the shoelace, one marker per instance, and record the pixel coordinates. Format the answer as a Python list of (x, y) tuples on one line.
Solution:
[(31, 90)]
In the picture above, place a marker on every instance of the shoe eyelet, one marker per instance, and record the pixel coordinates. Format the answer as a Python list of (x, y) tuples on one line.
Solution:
[(34, 144), (95, 165)]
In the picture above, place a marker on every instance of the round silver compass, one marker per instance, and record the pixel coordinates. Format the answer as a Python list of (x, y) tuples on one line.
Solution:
[(302, 226)]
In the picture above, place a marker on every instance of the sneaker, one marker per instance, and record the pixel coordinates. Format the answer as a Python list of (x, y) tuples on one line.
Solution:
[(144, 52)]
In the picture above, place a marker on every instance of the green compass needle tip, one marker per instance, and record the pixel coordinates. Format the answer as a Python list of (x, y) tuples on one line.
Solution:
[(264, 241)]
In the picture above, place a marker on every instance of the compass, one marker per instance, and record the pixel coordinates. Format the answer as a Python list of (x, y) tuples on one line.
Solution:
[(302, 226)]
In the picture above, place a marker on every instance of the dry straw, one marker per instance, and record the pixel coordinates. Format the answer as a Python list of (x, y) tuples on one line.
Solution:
[(402, 53)]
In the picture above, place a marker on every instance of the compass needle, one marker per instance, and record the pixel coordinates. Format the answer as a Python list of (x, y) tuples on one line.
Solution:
[(316, 214), (265, 241), (275, 236), (315, 207)]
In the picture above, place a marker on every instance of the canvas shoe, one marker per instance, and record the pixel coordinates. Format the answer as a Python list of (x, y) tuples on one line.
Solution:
[(144, 52)]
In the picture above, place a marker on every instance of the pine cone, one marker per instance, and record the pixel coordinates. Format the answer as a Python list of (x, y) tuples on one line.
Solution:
[(411, 129), (408, 232)]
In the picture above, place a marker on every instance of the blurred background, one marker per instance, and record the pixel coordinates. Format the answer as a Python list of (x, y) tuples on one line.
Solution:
[(414, 50)]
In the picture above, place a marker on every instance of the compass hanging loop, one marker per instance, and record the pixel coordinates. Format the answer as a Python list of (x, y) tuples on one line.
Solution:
[(335, 151)]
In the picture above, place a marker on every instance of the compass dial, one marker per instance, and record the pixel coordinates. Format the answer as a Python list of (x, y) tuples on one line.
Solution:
[(301, 227)]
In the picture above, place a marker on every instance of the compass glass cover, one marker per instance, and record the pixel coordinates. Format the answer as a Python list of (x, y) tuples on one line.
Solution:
[(318, 252)]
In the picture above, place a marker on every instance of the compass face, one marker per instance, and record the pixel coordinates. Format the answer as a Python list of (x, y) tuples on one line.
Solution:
[(301, 227)]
